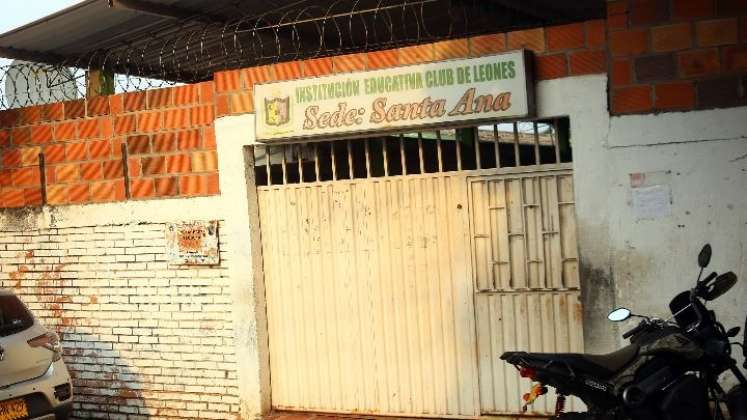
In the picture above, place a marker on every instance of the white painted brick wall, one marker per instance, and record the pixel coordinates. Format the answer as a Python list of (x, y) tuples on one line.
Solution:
[(142, 339)]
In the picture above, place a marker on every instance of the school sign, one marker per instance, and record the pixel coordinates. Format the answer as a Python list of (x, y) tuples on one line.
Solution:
[(485, 88)]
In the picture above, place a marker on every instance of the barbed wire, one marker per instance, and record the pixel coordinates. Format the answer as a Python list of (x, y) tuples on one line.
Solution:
[(193, 49)]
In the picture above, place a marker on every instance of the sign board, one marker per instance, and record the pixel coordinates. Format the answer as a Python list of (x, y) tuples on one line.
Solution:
[(192, 243), (485, 88)]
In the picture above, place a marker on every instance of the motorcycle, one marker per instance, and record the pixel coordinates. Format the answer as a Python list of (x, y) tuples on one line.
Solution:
[(669, 370)]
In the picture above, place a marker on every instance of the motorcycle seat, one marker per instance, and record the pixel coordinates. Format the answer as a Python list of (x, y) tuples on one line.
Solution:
[(602, 366)]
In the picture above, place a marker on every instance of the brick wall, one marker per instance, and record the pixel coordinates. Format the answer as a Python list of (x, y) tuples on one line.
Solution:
[(560, 51), (142, 339), (168, 134), (677, 55)]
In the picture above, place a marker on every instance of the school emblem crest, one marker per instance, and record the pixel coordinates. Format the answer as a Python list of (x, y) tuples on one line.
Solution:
[(277, 111)]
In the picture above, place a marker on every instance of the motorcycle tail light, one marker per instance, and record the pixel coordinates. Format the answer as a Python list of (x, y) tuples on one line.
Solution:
[(527, 372), (49, 341)]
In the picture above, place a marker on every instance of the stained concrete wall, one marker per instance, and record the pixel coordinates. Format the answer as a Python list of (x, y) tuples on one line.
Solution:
[(641, 263)]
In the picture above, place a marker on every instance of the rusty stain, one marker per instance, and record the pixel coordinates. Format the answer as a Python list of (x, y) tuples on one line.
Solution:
[(93, 299), (30, 253)]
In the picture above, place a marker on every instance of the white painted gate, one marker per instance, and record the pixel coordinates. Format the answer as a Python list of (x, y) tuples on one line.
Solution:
[(396, 295)]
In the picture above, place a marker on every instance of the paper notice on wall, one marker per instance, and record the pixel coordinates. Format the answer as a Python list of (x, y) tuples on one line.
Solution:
[(652, 202)]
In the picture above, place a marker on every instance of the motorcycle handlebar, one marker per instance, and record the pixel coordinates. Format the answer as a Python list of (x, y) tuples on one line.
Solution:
[(635, 330)]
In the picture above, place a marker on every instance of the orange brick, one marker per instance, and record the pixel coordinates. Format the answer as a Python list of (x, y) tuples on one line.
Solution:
[(138, 145), (67, 173), (125, 124), (226, 81), (178, 164), (54, 153), (531, 39), (49, 172), (134, 101), (596, 33), (142, 188), (9, 117), (154, 165), (78, 194), (91, 171), (671, 37), (74, 109), (11, 198), (192, 185), (454, 48), (699, 63), (206, 161), (348, 63), (713, 33), (379, 59), (26, 177), (617, 7), (622, 73), (213, 186), (207, 92), (57, 194), (565, 37), (53, 112), (148, 122), (242, 103), (487, 44), (30, 155), (20, 136), (221, 106), (116, 104), (31, 115), (160, 98), (202, 115), (186, 95), (98, 106), (112, 169), (11, 158), (65, 131), (133, 167), (689, 9), (317, 67), (288, 71), (105, 191), (188, 139), (165, 142), (675, 96), (208, 138), (257, 74), (99, 149), (88, 129), (106, 127), (176, 118), (550, 66), (4, 138), (32, 196), (6, 179), (588, 62), (743, 29), (647, 12), (41, 134), (735, 58), (166, 187), (76, 152), (630, 42), (632, 99)]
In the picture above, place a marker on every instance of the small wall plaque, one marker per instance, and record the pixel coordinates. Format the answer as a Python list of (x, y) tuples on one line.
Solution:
[(192, 243)]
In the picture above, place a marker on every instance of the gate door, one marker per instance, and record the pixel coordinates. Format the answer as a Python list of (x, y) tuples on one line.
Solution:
[(399, 268), (526, 277)]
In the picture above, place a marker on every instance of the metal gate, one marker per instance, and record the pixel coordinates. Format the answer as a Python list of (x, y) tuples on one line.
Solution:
[(398, 268)]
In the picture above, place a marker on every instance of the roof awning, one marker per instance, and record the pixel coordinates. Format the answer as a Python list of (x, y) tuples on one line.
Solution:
[(188, 40)]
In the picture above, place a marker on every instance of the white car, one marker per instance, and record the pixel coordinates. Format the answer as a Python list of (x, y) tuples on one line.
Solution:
[(34, 382)]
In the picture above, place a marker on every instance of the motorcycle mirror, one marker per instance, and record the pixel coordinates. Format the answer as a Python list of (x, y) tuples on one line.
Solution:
[(704, 258), (733, 332), (721, 285), (619, 314)]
